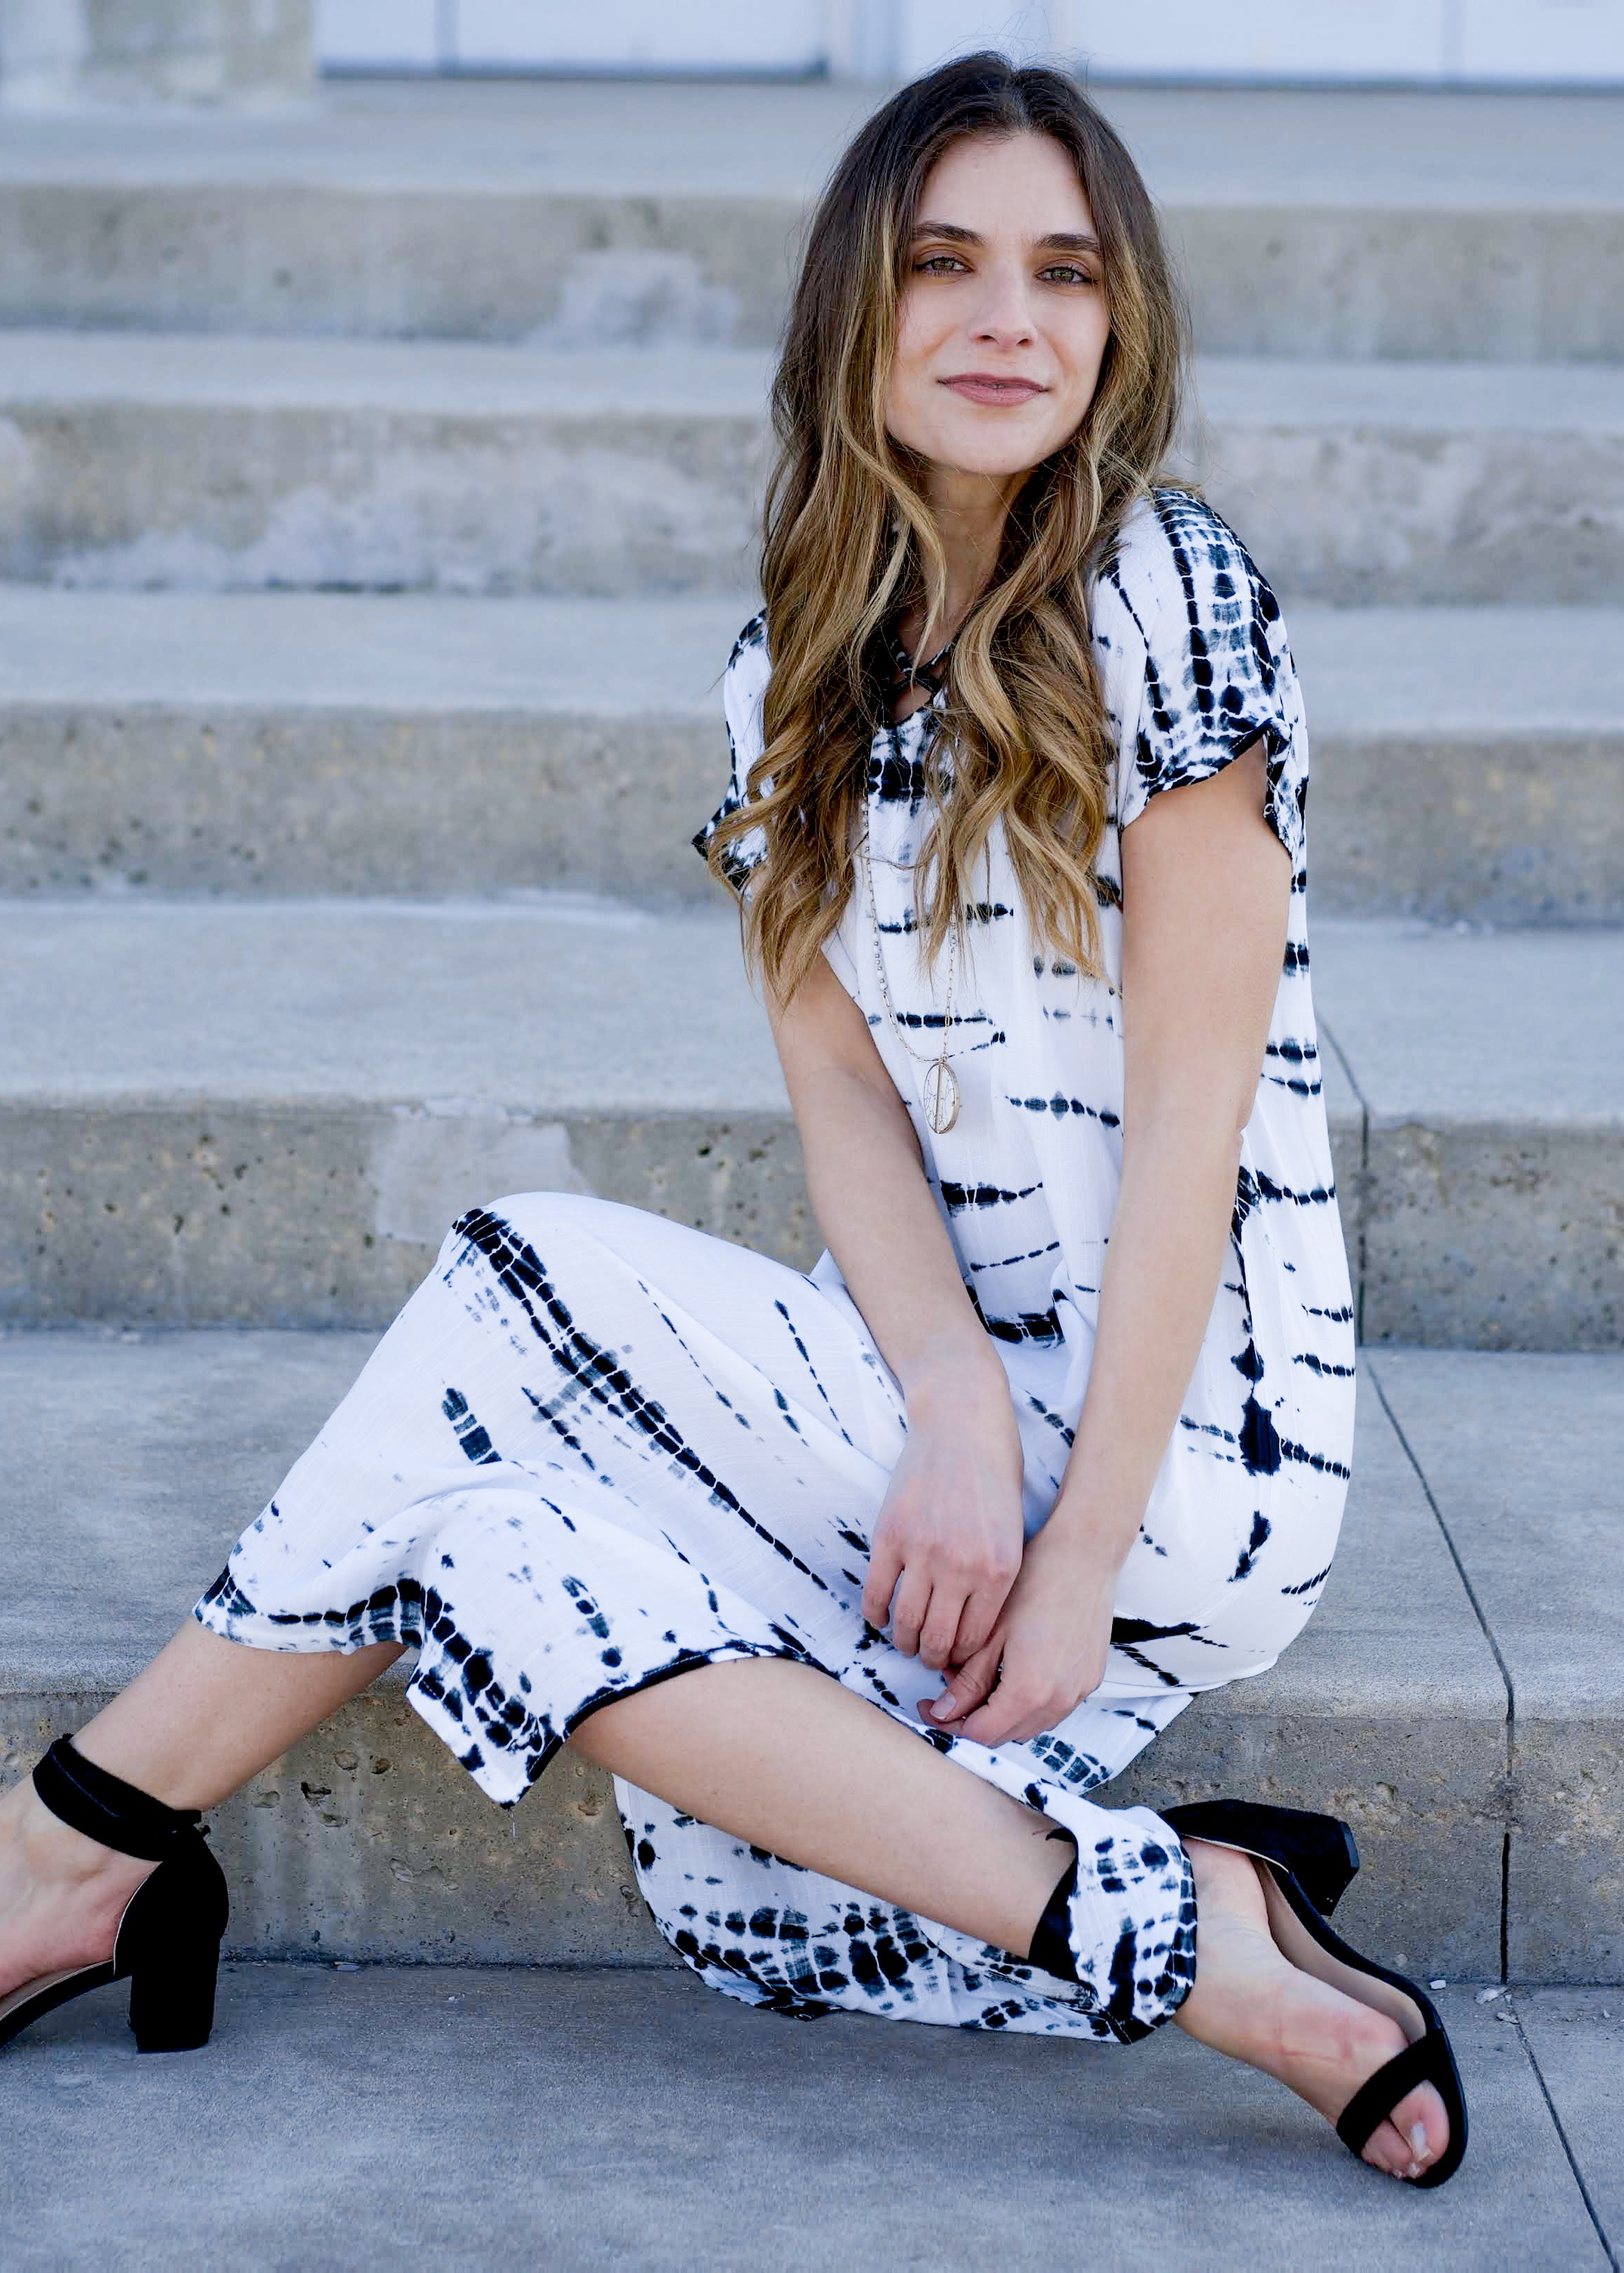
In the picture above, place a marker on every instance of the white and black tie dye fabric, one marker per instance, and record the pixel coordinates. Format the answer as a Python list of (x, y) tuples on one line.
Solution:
[(1245, 1515), (597, 1449)]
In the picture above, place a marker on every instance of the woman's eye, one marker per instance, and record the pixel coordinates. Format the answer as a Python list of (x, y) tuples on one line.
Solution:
[(1066, 274), (940, 264)]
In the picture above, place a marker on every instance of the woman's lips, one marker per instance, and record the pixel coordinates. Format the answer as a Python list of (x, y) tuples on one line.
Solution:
[(982, 387)]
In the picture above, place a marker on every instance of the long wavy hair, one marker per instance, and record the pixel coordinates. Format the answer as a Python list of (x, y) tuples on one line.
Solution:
[(850, 543)]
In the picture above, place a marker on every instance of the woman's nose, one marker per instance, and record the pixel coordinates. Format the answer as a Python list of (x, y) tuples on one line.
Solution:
[(1004, 318)]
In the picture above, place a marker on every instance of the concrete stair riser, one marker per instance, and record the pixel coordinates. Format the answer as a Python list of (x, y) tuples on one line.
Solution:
[(359, 743), (1389, 1709), (329, 1214), (160, 496), (323, 259), (1482, 1237), (337, 802), (1491, 1237), (214, 799), (210, 465)]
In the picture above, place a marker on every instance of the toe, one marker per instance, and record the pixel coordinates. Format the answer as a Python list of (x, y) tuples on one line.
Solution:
[(1412, 2137)]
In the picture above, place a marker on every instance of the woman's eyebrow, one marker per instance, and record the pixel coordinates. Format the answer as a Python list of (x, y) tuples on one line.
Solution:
[(1058, 240)]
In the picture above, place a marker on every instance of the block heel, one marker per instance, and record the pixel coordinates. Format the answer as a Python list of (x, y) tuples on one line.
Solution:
[(172, 2002), (168, 1944)]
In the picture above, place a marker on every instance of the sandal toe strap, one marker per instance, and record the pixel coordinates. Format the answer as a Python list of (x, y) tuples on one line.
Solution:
[(1374, 2100)]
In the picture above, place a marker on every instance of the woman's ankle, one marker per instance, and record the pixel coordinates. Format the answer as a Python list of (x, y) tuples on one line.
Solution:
[(50, 1852)]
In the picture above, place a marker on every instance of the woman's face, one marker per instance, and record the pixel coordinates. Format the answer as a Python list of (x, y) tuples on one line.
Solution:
[(1002, 323)]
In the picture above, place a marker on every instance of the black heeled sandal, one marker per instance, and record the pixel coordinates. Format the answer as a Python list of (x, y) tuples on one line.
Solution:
[(1311, 1859), (167, 1945)]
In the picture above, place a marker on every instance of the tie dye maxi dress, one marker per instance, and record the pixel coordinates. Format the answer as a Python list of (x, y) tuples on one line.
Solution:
[(597, 1448)]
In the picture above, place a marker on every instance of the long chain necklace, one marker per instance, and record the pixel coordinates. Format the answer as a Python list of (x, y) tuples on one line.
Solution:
[(940, 1084)]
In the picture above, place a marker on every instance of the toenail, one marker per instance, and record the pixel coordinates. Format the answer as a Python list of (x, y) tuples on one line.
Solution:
[(1417, 2139)]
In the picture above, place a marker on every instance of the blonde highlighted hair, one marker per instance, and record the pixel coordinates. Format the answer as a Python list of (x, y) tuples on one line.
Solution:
[(849, 543)]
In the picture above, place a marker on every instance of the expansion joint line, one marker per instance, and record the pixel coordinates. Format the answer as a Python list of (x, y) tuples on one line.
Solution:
[(1488, 1635), (1608, 2251)]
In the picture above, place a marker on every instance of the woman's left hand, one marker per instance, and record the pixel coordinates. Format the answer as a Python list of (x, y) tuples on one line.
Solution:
[(1045, 1654)]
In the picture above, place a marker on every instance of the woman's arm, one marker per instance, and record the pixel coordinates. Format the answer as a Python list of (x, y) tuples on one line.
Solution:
[(947, 1542), (1206, 888)]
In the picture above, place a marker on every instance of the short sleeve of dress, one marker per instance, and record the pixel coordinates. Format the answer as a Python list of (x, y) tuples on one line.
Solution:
[(743, 687), (1217, 670)]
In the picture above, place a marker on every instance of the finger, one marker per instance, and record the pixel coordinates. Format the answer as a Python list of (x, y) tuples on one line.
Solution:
[(970, 1685), (1010, 1715), (884, 1569), (941, 1626), (981, 1613), (909, 1612)]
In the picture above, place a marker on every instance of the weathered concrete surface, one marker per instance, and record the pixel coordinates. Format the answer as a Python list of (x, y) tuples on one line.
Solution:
[(270, 742), (1420, 482), (133, 1464), (1490, 1071), (145, 52), (264, 742), (144, 459), (614, 2119), (269, 1112), (1577, 2042), (1467, 761), (1311, 223), (1527, 1481)]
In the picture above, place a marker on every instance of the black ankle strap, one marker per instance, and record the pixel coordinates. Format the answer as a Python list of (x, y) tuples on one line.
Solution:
[(104, 1807)]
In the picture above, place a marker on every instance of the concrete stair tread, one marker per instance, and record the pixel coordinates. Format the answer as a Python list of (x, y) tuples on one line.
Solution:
[(474, 378), (459, 378), (133, 1459), (658, 655), (1443, 150), (1506, 671), (510, 1002), (1445, 1022)]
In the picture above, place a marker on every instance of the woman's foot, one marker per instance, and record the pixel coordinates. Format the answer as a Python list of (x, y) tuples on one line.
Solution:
[(1250, 2002), (61, 1895)]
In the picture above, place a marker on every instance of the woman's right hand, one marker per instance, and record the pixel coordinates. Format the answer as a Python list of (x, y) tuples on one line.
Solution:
[(949, 1541)]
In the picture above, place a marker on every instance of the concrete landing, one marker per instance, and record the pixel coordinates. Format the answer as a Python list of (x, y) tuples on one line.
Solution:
[(1466, 760), (149, 460), (589, 2121), (268, 1111)]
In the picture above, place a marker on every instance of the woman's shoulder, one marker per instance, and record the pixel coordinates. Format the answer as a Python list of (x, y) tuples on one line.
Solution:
[(749, 663), (1175, 555), (743, 683)]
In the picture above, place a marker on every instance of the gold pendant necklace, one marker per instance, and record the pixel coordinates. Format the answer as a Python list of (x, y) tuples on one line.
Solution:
[(941, 1085)]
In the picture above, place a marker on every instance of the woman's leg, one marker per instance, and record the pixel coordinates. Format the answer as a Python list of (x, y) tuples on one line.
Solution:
[(770, 1751), (777, 1754), (203, 1716)]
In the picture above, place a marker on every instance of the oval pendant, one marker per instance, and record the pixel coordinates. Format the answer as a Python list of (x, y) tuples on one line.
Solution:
[(941, 1096)]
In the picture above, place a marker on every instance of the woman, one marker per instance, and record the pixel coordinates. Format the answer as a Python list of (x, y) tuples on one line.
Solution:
[(1057, 1432)]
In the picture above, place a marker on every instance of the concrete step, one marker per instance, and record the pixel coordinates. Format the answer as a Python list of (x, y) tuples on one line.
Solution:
[(134, 1457), (313, 742), (269, 1112), (145, 459), (1317, 224), (626, 2097)]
